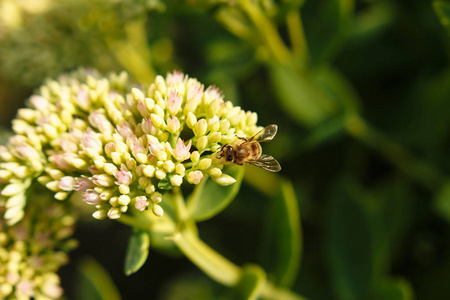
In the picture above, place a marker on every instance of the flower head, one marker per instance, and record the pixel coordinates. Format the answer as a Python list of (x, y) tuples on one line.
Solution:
[(181, 151), (34, 249), (118, 146)]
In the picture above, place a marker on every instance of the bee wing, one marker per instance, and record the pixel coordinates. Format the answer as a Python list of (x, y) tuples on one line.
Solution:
[(266, 134), (266, 162)]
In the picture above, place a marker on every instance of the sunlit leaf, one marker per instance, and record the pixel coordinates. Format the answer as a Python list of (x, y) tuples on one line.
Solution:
[(137, 251), (211, 198), (442, 9), (283, 237), (300, 96), (94, 283)]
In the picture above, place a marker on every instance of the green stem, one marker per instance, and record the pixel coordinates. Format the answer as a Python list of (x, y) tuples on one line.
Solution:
[(133, 53), (219, 268), (133, 221), (420, 171), (233, 20), (297, 35), (208, 260), (180, 207), (267, 31)]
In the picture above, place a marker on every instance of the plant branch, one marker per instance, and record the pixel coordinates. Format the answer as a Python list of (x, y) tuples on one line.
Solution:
[(297, 35), (267, 30)]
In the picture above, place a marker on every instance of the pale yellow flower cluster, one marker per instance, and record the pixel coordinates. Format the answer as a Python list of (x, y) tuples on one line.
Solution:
[(120, 145), (32, 251)]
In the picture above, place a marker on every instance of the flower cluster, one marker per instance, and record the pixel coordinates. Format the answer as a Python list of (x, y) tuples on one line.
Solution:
[(33, 250), (119, 144)]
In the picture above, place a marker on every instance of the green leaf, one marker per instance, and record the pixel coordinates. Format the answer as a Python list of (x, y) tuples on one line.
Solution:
[(349, 248), (94, 283), (442, 9), (300, 96), (250, 284), (137, 251), (283, 237), (209, 198), (164, 184), (442, 202)]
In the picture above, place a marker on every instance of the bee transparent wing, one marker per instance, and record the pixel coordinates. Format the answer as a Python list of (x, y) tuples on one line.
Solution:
[(266, 134), (266, 162)]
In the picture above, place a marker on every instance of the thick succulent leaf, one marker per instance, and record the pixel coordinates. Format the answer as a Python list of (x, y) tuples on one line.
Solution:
[(94, 283), (300, 96), (210, 198), (283, 237), (137, 251)]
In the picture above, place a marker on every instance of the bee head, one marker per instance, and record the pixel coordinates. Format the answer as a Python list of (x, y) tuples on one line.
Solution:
[(228, 151)]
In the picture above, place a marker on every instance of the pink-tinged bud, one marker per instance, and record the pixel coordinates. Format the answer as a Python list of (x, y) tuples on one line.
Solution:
[(141, 203), (135, 145), (195, 177), (148, 127), (67, 183), (39, 103), (103, 180), (181, 151), (83, 184), (173, 124), (92, 197), (94, 170), (27, 152), (60, 161), (214, 92), (195, 91), (82, 99), (156, 148), (123, 176), (143, 109), (110, 148), (100, 121), (175, 78), (26, 288), (52, 289), (125, 130), (174, 103), (68, 146), (91, 140)]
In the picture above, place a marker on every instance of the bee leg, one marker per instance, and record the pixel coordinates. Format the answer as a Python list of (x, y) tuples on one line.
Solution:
[(221, 154), (242, 138)]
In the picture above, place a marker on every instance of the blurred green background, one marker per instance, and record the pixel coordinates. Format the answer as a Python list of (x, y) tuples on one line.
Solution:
[(360, 90)]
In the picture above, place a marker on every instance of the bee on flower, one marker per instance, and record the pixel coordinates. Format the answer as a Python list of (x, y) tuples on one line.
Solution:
[(119, 145)]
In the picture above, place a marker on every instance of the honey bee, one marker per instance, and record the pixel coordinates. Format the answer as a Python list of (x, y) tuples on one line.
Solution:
[(250, 151)]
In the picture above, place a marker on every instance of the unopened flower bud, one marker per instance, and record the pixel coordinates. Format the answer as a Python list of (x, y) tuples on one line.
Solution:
[(215, 172), (200, 127), (157, 210), (195, 177), (191, 120), (224, 180), (202, 143), (176, 180), (204, 163)]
